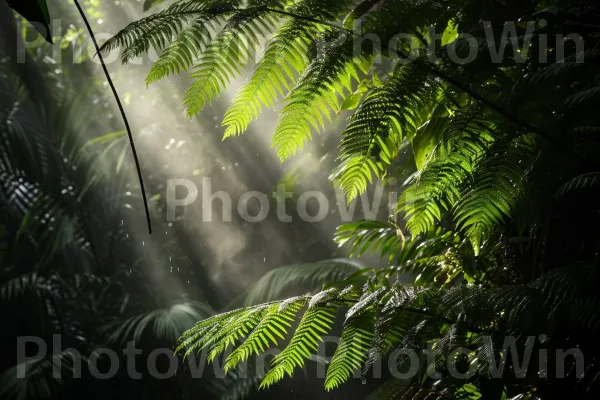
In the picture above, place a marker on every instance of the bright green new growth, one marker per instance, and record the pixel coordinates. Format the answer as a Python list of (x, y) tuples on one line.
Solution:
[(477, 142), (313, 65)]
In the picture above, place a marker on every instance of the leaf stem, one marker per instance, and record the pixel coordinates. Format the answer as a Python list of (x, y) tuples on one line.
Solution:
[(426, 313)]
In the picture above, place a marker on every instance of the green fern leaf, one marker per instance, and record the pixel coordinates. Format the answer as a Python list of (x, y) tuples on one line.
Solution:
[(314, 97), (315, 323), (284, 57), (437, 186), (222, 60), (389, 114), (183, 51), (357, 334), (158, 30), (497, 184), (274, 323)]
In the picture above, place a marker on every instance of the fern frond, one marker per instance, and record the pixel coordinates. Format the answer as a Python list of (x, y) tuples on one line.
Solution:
[(315, 94), (235, 330), (392, 324), (197, 337), (183, 51), (357, 334), (316, 322), (388, 115), (272, 325), (424, 256), (437, 186), (283, 58), (223, 59), (351, 352), (497, 184), (158, 30), (367, 235), (427, 257)]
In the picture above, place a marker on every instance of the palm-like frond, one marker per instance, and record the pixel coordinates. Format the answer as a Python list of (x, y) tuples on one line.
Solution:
[(47, 298), (14, 289), (302, 277), (164, 324), (36, 379), (39, 144), (588, 180)]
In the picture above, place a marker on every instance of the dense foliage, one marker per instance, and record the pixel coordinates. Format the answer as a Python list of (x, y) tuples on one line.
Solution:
[(494, 222), (497, 224), (72, 261)]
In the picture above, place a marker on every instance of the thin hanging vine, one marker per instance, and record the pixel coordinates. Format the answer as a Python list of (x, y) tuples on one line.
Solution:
[(123, 115)]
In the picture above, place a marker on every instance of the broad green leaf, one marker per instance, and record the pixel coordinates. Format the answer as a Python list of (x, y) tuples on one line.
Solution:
[(426, 138), (468, 391), (364, 85), (450, 34), (352, 100), (420, 39), (377, 83)]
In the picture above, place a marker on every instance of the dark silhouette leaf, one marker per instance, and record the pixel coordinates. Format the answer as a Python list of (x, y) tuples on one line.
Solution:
[(36, 12)]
